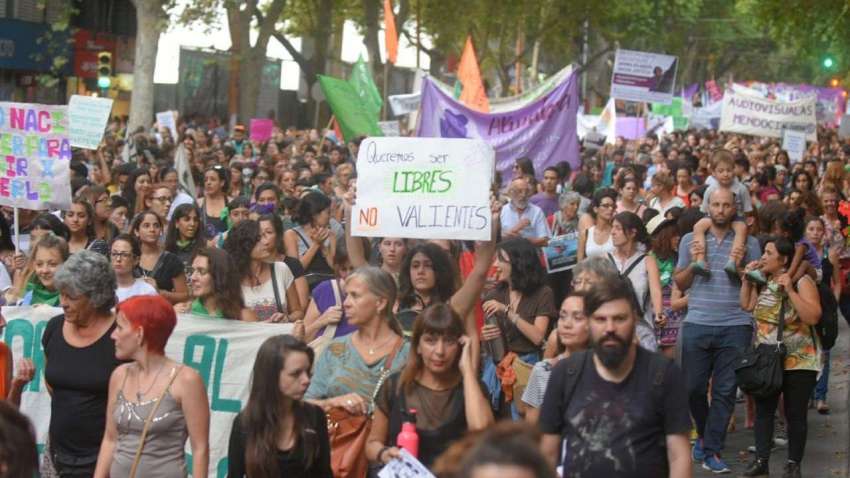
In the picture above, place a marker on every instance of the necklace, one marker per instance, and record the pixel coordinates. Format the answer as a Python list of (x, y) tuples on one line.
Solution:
[(373, 348), (139, 393)]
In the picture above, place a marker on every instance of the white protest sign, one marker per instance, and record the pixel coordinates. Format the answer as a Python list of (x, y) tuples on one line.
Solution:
[(425, 188), (644, 77), (87, 118), (405, 466), (794, 142), (404, 104), (764, 117), (34, 143), (844, 127), (390, 128), (168, 120), (222, 351)]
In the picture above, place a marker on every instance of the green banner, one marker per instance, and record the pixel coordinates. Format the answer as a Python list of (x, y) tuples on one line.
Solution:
[(674, 109), (353, 116), (363, 83)]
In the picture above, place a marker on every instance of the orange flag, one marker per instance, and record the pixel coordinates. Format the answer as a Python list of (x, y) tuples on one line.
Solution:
[(390, 33), (473, 94)]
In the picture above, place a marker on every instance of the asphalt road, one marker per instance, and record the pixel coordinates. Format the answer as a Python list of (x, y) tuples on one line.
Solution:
[(829, 435)]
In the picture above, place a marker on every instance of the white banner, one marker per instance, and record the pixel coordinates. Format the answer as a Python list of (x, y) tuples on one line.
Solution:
[(36, 152), (222, 351), (425, 188), (168, 120), (87, 118), (390, 128), (763, 117), (644, 77)]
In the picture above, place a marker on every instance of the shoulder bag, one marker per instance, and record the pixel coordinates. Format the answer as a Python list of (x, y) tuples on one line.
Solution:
[(148, 422), (760, 369), (348, 433)]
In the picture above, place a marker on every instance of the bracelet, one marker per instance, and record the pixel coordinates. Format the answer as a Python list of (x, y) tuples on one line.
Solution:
[(380, 453)]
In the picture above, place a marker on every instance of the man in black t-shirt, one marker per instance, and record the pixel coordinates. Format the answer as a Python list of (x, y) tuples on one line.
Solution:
[(622, 410)]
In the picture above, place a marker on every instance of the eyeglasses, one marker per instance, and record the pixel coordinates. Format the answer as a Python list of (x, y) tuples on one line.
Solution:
[(201, 271), (162, 198), (122, 255), (98, 201), (607, 205)]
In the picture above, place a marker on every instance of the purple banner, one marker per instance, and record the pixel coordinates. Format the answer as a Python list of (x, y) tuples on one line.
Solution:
[(544, 131)]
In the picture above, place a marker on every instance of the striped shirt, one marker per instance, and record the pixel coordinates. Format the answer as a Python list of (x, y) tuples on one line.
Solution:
[(715, 301)]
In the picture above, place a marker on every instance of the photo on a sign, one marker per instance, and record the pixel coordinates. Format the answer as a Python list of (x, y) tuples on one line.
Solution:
[(644, 77)]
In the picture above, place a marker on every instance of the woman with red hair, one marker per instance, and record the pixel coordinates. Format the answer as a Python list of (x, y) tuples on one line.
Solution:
[(155, 403)]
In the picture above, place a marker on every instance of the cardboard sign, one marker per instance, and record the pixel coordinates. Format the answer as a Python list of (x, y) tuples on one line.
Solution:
[(755, 116), (425, 188), (87, 117), (794, 142), (36, 152), (644, 77), (168, 120), (222, 351), (261, 129)]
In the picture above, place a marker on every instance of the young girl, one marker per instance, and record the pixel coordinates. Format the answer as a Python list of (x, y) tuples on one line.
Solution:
[(806, 260)]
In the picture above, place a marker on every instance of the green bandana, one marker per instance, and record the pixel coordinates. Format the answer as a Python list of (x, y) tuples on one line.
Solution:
[(40, 294), (199, 309)]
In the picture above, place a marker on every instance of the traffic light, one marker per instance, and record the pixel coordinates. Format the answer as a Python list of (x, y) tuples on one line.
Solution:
[(104, 69), (828, 62)]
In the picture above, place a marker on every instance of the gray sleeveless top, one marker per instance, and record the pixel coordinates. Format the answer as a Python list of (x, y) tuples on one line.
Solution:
[(163, 455)]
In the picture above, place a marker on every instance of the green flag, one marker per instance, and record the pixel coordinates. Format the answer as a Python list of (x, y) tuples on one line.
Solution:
[(458, 89), (353, 116), (362, 82)]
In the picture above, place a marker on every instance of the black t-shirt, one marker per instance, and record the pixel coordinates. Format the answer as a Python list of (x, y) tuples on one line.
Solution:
[(290, 462), (616, 430), (294, 266), (167, 267), (79, 377)]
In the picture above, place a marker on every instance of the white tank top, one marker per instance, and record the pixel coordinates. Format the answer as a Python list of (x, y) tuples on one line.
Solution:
[(591, 248)]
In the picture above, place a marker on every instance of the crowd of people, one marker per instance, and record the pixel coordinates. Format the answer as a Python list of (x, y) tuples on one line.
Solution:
[(691, 249)]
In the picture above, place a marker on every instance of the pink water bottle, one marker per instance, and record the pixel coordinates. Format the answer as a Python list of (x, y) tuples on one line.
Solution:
[(407, 437)]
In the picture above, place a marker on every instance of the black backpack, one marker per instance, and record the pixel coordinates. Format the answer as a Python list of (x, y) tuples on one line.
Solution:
[(827, 326)]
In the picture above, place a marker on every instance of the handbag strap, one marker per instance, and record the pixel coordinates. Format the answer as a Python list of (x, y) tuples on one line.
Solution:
[(149, 420), (781, 328), (277, 301), (385, 372)]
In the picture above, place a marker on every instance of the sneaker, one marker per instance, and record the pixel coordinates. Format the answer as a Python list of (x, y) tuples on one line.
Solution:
[(731, 268), (752, 448), (757, 467), (756, 277), (780, 436), (700, 268), (715, 464), (792, 470), (698, 453)]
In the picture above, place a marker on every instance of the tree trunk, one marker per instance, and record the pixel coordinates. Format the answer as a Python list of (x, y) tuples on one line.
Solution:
[(149, 23), (373, 46)]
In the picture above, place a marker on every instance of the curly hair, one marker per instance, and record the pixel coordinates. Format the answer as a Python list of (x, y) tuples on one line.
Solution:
[(239, 244), (444, 275), (527, 273), (88, 274)]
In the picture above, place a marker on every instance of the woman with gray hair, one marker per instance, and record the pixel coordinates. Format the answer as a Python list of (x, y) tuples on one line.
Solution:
[(79, 359), (338, 379)]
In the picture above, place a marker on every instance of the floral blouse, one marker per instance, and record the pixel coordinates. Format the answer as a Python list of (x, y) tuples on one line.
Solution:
[(800, 339)]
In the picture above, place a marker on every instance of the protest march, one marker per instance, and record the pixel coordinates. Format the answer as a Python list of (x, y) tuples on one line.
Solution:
[(593, 257)]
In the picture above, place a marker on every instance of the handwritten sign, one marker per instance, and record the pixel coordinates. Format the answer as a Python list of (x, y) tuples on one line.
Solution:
[(261, 129), (34, 156), (222, 352), (87, 118), (405, 466), (168, 120), (426, 188)]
